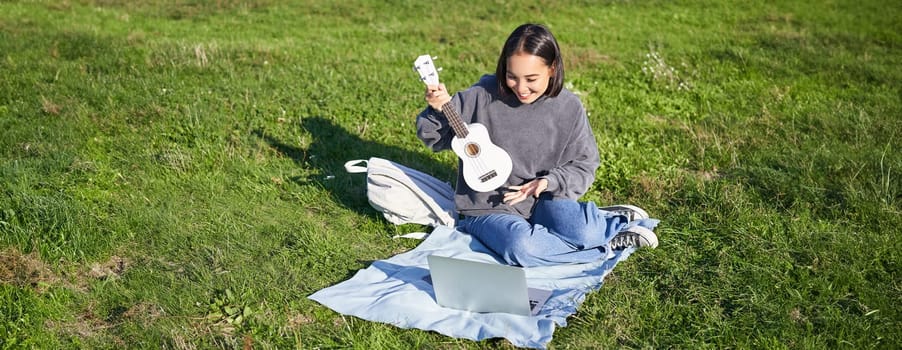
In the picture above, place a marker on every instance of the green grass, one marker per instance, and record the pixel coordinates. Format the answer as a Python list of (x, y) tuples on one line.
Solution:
[(169, 166)]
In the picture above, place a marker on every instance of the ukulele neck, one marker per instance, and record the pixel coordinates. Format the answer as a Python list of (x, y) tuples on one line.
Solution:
[(460, 129)]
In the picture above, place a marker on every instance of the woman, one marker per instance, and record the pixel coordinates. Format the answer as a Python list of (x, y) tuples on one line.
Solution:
[(535, 219)]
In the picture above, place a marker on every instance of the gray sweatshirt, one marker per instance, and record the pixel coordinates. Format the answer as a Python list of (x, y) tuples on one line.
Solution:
[(549, 138)]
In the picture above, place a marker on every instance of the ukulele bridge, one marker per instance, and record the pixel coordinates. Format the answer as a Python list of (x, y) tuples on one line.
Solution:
[(488, 176)]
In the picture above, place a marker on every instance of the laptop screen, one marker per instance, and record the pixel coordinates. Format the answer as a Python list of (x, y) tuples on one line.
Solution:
[(483, 287)]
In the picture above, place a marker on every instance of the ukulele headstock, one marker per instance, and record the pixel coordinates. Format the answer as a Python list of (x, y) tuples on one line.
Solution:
[(424, 66)]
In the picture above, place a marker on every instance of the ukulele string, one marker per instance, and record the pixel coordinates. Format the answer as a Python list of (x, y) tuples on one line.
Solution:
[(476, 161)]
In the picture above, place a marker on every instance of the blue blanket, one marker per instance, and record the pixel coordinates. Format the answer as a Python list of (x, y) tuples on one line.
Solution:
[(394, 291)]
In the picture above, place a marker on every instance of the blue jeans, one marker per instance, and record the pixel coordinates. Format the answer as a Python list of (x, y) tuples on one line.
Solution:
[(560, 231)]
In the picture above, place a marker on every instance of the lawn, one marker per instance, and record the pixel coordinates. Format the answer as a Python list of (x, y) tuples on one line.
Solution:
[(171, 172)]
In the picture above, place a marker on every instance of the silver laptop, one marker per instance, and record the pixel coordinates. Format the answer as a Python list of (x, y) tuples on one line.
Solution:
[(483, 287)]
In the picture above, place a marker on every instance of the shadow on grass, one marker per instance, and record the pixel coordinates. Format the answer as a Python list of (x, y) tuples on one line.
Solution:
[(333, 146)]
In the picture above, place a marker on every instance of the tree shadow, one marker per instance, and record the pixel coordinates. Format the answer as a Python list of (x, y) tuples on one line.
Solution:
[(333, 146)]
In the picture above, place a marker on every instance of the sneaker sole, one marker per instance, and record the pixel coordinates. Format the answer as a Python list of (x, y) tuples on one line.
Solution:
[(649, 236)]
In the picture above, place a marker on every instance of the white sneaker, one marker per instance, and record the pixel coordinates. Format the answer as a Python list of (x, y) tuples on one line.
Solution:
[(636, 236), (631, 212)]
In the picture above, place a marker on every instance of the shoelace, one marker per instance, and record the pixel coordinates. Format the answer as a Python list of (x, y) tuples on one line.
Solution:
[(625, 239)]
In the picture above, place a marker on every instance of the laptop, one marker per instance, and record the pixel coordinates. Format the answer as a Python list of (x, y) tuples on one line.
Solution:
[(483, 287)]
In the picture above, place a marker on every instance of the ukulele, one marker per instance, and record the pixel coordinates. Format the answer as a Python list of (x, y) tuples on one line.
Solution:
[(485, 166)]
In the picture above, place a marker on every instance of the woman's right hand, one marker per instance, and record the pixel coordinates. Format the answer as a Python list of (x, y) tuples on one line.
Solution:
[(437, 96)]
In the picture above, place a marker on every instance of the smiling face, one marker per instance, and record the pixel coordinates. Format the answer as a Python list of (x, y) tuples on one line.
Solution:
[(528, 76)]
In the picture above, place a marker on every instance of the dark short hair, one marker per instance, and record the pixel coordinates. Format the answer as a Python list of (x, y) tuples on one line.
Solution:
[(536, 40)]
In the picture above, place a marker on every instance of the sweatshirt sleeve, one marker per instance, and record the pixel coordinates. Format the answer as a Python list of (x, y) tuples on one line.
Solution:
[(579, 160), (433, 129)]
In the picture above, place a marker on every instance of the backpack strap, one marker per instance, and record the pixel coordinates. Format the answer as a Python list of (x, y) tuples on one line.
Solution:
[(354, 167), (412, 235)]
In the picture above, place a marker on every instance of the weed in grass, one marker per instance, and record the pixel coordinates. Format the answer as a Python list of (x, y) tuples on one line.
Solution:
[(659, 73), (227, 310)]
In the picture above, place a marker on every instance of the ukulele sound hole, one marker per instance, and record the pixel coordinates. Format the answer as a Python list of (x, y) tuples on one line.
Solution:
[(472, 149)]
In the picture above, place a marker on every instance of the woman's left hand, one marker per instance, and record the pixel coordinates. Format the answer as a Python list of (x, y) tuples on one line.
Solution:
[(519, 193)]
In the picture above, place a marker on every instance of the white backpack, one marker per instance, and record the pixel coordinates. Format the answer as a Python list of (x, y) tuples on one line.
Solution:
[(406, 195)]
